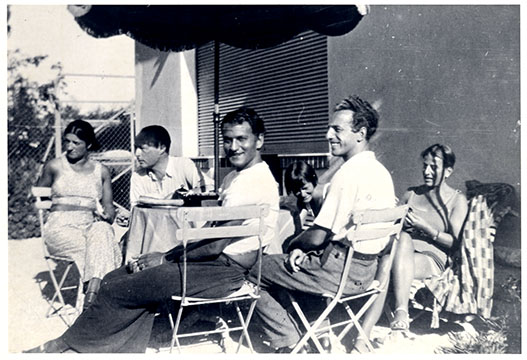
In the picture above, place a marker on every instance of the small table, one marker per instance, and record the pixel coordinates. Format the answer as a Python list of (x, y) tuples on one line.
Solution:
[(152, 229)]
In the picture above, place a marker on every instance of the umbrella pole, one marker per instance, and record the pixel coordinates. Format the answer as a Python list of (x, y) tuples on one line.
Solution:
[(216, 116)]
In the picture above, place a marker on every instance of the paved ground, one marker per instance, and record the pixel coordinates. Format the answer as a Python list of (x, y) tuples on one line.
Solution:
[(28, 326)]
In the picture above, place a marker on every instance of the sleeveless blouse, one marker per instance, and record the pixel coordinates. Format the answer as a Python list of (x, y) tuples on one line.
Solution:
[(73, 188), (438, 220)]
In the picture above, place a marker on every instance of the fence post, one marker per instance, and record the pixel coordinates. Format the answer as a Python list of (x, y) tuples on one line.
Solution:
[(58, 121)]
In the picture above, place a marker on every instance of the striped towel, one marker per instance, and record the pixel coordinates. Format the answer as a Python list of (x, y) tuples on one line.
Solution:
[(467, 285)]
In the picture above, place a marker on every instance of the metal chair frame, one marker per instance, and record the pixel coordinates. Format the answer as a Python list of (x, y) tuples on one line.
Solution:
[(390, 224), (247, 293), (57, 305)]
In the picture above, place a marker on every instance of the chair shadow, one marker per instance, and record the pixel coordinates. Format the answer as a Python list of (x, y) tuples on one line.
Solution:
[(43, 279), (193, 320)]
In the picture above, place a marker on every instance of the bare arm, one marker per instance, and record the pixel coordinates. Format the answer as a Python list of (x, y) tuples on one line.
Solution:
[(459, 214), (46, 179), (311, 239), (107, 195)]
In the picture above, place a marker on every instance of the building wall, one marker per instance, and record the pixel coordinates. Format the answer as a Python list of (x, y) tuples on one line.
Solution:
[(447, 74), (166, 95)]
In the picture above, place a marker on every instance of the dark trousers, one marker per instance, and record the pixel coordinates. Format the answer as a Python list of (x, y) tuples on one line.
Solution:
[(315, 277), (121, 318)]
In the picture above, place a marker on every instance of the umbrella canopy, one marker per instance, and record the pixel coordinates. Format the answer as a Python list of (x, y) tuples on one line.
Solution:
[(184, 27)]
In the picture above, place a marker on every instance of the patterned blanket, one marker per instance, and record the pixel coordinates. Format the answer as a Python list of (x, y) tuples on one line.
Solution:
[(467, 284)]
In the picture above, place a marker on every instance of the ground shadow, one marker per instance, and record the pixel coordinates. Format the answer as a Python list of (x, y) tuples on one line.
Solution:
[(43, 279)]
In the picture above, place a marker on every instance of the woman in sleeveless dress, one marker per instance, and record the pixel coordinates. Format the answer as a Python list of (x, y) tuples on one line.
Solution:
[(79, 224), (432, 228)]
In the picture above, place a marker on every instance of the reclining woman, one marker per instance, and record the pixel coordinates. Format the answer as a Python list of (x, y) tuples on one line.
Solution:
[(78, 226), (432, 228)]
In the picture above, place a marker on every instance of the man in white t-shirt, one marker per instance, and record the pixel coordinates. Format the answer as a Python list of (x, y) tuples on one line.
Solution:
[(316, 257), (121, 317)]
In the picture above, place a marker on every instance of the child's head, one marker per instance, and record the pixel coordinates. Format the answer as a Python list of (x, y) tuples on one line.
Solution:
[(300, 180)]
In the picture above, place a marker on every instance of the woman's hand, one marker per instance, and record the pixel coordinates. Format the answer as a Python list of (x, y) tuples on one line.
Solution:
[(414, 221), (294, 259), (142, 262)]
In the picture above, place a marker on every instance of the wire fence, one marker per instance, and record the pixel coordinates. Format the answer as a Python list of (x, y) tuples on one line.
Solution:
[(32, 125)]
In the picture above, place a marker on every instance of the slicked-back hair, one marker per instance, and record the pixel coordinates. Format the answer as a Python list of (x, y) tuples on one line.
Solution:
[(364, 115), (244, 114), (84, 131), (153, 135)]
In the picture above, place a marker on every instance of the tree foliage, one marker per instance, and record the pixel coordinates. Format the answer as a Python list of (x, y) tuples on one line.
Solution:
[(30, 117), (31, 128)]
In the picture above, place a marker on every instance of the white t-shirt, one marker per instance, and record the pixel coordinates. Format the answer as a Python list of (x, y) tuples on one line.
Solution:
[(253, 186), (180, 171), (361, 183)]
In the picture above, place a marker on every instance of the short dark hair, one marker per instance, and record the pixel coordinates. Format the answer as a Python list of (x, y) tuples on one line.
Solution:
[(441, 151), (153, 135), (246, 114), (297, 174), (364, 115), (84, 131)]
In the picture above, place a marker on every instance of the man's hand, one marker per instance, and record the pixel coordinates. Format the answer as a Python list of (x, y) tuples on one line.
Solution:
[(142, 262), (294, 259)]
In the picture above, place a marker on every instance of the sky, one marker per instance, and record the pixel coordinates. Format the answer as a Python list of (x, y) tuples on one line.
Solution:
[(51, 30)]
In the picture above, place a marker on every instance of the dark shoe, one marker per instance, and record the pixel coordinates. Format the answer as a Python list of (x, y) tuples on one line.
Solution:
[(89, 298), (91, 292)]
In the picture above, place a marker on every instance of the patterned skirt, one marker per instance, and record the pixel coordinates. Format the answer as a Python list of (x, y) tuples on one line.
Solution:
[(91, 244)]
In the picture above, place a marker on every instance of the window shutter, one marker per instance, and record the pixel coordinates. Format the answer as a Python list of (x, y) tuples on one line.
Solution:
[(287, 85)]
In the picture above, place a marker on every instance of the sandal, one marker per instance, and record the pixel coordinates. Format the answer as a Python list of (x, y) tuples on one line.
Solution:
[(400, 325)]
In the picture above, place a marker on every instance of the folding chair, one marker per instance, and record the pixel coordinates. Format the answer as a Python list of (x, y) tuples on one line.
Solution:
[(248, 292), (466, 286), (388, 222), (57, 305)]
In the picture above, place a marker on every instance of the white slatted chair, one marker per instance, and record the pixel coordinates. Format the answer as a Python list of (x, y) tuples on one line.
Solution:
[(388, 223), (57, 305), (250, 293)]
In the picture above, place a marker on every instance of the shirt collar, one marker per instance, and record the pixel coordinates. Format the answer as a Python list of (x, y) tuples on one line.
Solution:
[(363, 155), (168, 171)]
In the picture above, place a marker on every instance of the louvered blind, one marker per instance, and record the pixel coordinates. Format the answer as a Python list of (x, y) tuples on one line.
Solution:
[(287, 85)]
